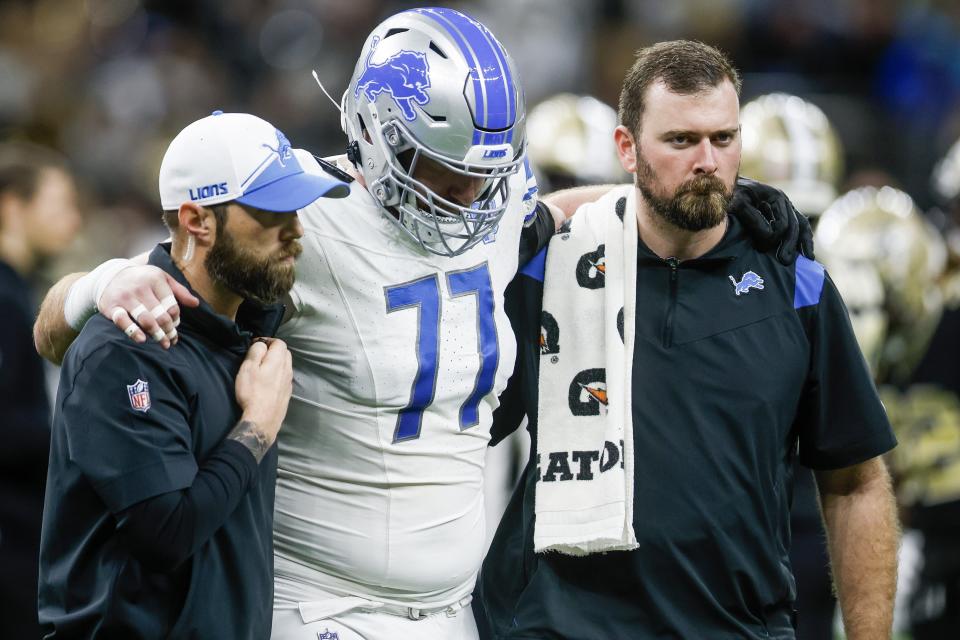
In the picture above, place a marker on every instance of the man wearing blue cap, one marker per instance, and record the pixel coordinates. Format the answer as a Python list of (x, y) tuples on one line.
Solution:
[(159, 503)]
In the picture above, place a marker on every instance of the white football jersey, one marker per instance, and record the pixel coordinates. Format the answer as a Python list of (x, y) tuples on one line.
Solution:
[(399, 356)]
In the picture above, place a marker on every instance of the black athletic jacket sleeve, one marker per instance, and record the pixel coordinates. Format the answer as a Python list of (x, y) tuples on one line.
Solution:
[(142, 463), (165, 530)]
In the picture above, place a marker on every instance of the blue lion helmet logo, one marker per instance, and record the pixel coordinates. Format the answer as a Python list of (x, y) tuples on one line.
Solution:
[(404, 75), (750, 280)]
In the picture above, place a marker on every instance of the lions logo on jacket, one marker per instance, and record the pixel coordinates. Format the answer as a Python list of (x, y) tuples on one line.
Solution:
[(748, 281)]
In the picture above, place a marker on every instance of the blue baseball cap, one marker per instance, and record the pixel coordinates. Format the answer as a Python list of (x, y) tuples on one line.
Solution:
[(238, 156)]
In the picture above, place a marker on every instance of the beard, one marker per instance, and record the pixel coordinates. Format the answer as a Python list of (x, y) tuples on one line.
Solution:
[(697, 204), (264, 280)]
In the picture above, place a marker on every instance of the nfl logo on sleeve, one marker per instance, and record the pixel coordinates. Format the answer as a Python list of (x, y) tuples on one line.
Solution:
[(139, 393)]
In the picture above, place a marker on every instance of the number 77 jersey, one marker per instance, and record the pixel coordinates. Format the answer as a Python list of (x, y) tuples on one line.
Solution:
[(399, 356)]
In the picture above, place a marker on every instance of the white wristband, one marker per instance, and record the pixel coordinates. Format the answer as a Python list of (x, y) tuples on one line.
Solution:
[(84, 294)]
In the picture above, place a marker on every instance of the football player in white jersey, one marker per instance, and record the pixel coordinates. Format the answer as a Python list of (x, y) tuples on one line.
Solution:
[(379, 506), (398, 334)]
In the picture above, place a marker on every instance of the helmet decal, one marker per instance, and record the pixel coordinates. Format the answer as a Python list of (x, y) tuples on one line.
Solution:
[(496, 104), (404, 75)]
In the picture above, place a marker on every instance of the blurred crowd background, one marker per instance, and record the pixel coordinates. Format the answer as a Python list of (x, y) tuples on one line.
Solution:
[(108, 83)]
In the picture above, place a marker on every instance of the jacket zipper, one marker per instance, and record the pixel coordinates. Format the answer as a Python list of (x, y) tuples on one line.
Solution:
[(674, 264)]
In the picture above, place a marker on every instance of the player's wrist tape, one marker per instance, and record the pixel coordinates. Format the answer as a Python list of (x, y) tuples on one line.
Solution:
[(84, 294)]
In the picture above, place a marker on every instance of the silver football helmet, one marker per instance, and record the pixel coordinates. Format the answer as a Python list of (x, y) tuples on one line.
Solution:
[(790, 144), (434, 86)]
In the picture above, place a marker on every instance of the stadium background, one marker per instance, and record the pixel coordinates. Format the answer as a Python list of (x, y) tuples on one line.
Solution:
[(110, 82)]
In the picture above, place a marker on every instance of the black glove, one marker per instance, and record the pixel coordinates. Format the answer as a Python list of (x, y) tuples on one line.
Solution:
[(772, 222)]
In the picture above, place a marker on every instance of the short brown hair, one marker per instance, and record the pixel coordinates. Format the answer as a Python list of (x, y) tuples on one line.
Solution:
[(685, 67)]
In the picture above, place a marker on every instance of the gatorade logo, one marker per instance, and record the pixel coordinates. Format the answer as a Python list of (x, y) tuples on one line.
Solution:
[(591, 269), (587, 395), (549, 334)]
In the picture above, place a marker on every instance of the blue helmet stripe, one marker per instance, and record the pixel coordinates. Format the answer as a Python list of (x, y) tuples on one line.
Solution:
[(510, 110), (492, 81), (471, 61), (508, 81), (497, 81)]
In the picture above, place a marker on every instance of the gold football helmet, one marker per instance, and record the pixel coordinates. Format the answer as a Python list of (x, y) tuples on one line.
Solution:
[(790, 144), (946, 175), (946, 186), (571, 142), (885, 259)]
